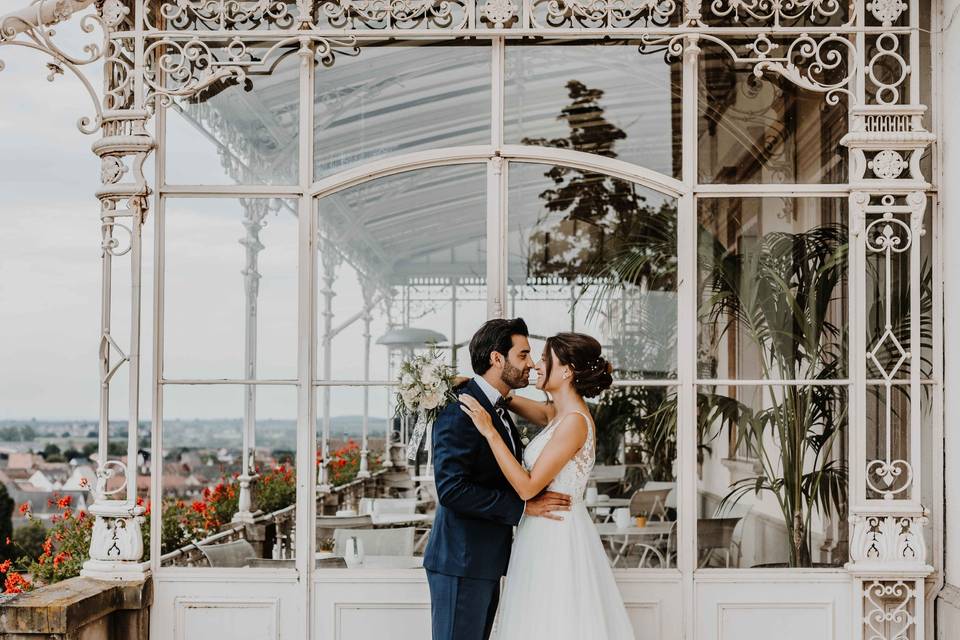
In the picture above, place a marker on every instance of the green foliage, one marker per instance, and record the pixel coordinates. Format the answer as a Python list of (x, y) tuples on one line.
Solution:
[(23, 433), (345, 463), (275, 489), (28, 542), (6, 522)]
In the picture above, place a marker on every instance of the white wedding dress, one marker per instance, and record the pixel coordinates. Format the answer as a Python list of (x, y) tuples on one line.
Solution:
[(559, 584)]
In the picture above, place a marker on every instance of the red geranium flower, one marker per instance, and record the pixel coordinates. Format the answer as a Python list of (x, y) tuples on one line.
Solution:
[(16, 583)]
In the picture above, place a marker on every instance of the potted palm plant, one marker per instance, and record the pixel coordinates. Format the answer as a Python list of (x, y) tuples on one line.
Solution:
[(778, 297)]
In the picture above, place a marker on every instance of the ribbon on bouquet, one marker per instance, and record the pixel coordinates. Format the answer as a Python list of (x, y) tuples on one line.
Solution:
[(416, 438)]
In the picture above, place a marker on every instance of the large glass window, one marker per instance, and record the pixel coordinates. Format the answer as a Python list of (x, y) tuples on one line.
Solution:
[(237, 133), (400, 263), (231, 309), (614, 99), (772, 286), (766, 130), (399, 98)]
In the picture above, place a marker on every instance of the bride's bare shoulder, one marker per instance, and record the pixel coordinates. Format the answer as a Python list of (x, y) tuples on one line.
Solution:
[(575, 425)]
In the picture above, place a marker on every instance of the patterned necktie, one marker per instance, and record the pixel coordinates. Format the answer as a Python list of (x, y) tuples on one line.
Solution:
[(500, 407)]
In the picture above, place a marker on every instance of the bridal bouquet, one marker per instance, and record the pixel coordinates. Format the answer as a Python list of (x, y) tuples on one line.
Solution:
[(425, 386)]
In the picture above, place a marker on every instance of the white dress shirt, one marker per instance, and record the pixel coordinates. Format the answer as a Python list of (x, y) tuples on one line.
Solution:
[(493, 395)]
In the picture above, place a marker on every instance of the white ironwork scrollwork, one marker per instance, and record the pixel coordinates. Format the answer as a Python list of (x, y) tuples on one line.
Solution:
[(204, 14), (499, 13), (552, 14), (778, 10), (886, 11), (888, 610), (39, 35), (188, 68), (895, 69), (888, 236), (887, 164), (888, 539), (110, 243), (396, 14), (107, 470), (815, 63)]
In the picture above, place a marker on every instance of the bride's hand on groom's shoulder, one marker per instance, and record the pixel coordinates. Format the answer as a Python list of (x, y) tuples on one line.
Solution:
[(545, 504), (481, 419)]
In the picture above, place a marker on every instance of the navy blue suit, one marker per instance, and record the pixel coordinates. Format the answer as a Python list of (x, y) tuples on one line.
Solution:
[(469, 545)]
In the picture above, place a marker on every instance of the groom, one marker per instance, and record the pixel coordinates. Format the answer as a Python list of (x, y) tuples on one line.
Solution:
[(469, 546)]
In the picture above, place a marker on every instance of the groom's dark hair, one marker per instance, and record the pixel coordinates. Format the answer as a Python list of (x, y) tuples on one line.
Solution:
[(494, 335)]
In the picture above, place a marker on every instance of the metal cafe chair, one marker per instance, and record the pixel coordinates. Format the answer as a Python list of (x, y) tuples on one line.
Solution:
[(715, 535), (650, 503), (228, 554)]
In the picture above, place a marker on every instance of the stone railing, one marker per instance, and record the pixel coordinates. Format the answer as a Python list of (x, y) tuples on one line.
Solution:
[(80, 608)]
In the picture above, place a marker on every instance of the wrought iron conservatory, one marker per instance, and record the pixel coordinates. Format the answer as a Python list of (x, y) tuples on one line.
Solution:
[(641, 169)]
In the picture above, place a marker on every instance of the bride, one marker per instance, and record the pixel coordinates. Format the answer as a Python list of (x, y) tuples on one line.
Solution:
[(559, 582)]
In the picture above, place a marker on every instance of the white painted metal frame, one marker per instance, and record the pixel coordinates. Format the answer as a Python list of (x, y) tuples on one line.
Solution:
[(887, 137)]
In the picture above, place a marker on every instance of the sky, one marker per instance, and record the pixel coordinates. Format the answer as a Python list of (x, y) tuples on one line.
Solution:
[(49, 242)]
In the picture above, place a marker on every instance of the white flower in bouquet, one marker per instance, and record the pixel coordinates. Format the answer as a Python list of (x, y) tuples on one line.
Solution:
[(429, 375), (424, 385), (431, 400)]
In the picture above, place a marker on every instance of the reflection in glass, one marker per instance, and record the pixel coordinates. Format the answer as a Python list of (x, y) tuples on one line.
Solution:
[(401, 264), (595, 254), (243, 133), (765, 130), (230, 297), (608, 99), (401, 269), (772, 288), (773, 488), (400, 98), (228, 489), (392, 531)]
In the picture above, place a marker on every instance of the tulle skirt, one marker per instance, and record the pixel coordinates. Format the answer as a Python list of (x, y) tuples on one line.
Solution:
[(560, 585)]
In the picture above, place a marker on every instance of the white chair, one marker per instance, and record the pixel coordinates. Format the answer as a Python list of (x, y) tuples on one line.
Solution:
[(326, 525), (671, 501), (650, 503), (228, 554), (382, 506), (376, 542), (739, 510), (606, 474)]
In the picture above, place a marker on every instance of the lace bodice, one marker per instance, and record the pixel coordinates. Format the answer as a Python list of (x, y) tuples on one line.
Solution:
[(573, 477)]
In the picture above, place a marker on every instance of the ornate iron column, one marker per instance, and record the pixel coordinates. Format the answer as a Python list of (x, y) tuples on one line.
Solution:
[(330, 260), (369, 301), (121, 117), (255, 211), (888, 554), (116, 547)]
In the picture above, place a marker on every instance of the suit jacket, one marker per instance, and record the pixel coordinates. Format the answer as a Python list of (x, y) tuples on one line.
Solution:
[(473, 529)]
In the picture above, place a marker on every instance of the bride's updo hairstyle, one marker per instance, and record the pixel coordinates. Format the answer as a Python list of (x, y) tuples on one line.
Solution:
[(592, 374)]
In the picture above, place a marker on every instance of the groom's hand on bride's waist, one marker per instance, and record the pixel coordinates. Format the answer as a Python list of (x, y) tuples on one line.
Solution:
[(545, 504)]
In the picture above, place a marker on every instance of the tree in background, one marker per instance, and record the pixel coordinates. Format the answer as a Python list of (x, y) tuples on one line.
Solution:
[(6, 521)]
